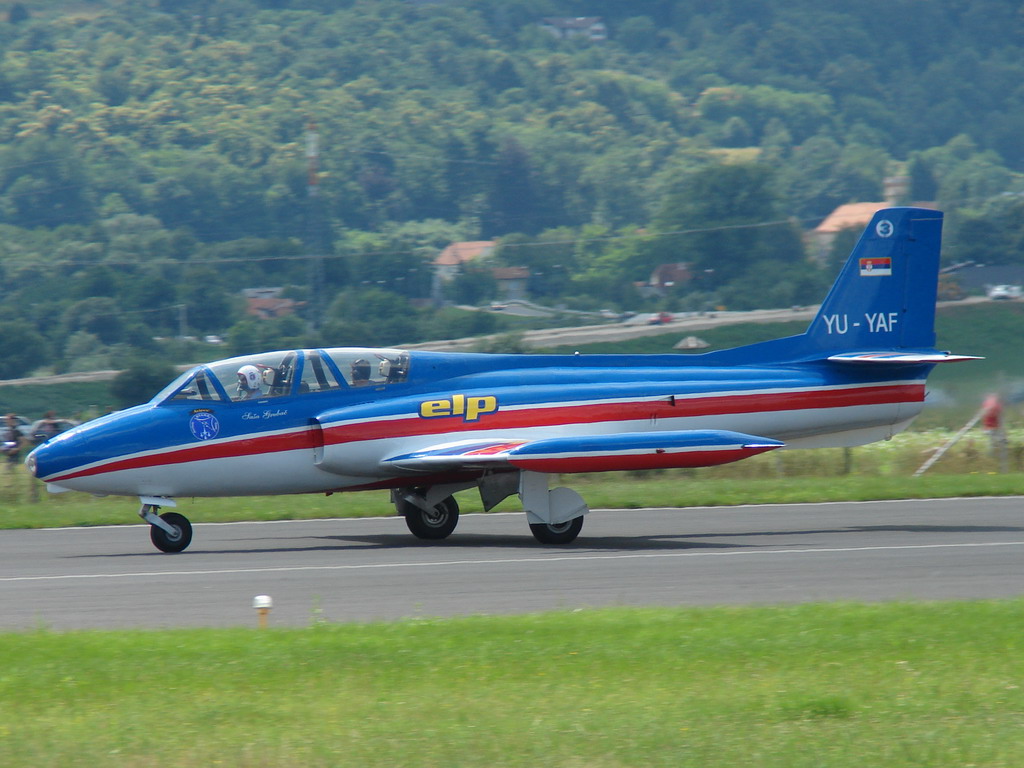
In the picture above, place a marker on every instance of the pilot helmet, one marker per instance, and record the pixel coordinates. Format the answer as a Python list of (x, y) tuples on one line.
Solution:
[(361, 369), (249, 377)]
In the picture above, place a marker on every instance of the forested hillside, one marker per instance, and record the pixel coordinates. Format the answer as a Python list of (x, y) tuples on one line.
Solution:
[(154, 157)]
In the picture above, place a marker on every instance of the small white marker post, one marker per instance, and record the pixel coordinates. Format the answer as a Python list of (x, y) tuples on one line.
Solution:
[(263, 604)]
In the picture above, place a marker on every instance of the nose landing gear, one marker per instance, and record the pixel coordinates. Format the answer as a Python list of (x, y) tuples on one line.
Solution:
[(169, 532)]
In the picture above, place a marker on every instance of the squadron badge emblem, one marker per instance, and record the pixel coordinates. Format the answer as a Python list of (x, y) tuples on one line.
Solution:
[(204, 425)]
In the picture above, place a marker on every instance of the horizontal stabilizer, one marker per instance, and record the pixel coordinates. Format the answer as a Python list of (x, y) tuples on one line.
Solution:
[(900, 358), (589, 453)]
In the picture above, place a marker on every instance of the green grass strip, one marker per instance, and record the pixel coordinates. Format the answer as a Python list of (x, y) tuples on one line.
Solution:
[(930, 684)]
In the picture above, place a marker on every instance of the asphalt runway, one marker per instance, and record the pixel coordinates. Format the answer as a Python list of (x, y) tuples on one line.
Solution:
[(373, 569)]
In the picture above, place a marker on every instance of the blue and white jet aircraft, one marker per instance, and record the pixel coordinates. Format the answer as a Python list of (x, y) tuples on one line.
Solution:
[(426, 425)]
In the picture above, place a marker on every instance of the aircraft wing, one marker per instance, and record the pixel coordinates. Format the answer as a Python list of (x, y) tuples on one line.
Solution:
[(587, 453), (899, 358)]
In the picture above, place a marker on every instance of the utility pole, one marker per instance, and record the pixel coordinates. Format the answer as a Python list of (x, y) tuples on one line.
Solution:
[(314, 243)]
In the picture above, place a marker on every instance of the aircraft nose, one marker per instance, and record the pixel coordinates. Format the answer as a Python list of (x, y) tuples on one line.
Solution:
[(36, 461), (32, 462), (43, 460)]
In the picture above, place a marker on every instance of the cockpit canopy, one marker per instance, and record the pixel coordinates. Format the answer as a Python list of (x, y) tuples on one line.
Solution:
[(289, 372)]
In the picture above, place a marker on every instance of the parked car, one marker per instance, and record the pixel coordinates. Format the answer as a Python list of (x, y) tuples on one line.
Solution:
[(661, 318), (47, 427), (1005, 292), (41, 430)]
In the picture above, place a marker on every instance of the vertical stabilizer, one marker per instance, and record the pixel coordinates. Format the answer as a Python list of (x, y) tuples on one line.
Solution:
[(884, 298)]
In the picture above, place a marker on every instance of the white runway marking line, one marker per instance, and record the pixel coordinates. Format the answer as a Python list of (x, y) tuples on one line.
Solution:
[(502, 561)]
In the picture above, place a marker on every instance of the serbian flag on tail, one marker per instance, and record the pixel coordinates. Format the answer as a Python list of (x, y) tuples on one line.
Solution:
[(876, 266)]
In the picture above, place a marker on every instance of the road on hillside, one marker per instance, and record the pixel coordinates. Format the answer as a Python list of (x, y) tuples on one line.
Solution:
[(372, 569)]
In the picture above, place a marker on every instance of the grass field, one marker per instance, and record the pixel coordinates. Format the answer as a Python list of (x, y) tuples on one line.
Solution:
[(939, 684)]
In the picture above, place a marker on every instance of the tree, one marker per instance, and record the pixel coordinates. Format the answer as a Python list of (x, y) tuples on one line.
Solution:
[(637, 34), (140, 381), (397, 264), (550, 257), (513, 200), (721, 220), (98, 315), (369, 317), (209, 304), (474, 284), (822, 174), (45, 184), (249, 335), (17, 13), (22, 349)]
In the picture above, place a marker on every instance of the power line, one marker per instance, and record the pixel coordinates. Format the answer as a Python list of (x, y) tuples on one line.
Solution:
[(639, 236)]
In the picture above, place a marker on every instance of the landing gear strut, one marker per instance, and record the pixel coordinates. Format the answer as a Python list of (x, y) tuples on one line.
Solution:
[(169, 532), (555, 516)]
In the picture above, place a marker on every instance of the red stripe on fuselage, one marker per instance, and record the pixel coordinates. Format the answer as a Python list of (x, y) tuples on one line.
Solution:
[(714, 405)]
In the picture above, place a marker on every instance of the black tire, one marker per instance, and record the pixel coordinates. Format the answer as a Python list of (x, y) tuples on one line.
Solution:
[(434, 525), (559, 533), (166, 542)]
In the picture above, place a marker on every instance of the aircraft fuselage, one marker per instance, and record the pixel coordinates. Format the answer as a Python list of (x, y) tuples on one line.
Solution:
[(332, 441)]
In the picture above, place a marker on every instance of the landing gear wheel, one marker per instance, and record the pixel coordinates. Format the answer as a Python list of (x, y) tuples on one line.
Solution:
[(175, 542), (557, 533), (436, 524)]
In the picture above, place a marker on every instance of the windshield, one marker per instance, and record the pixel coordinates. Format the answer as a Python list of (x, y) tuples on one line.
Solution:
[(276, 374)]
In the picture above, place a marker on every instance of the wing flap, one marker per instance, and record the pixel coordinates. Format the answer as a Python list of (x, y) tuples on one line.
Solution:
[(589, 453)]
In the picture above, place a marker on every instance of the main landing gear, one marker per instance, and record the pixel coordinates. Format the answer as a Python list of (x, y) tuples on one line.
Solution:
[(169, 532), (555, 516), (557, 533), (426, 517)]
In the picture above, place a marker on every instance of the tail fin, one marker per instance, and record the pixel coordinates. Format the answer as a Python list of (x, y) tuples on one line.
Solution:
[(882, 301), (884, 298)]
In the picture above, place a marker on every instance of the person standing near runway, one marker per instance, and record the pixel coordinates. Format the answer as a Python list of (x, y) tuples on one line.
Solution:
[(10, 440)]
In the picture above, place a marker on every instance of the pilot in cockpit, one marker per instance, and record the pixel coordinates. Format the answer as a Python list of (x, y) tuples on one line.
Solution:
[(248, 383), (360, 373)]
